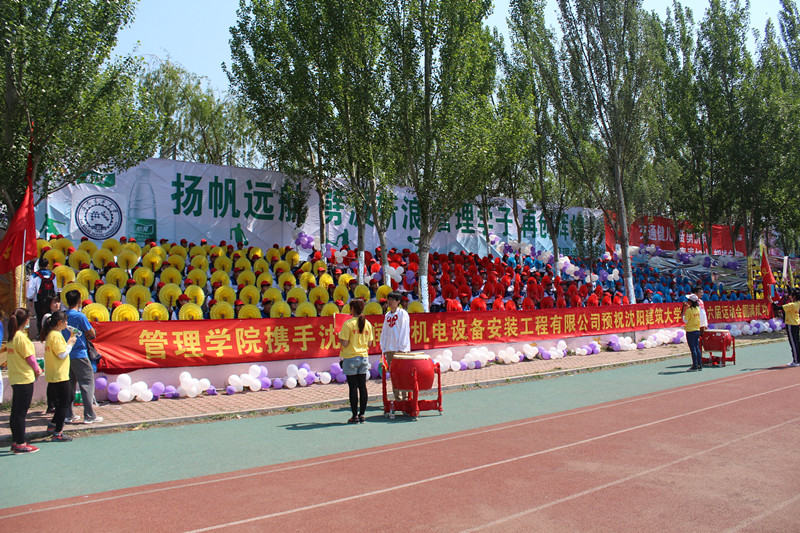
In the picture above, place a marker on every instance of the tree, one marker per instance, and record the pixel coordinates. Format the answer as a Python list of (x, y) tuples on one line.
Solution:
[(278, 76), (194, 123), (604, 80), (441, 77), (63, 97)]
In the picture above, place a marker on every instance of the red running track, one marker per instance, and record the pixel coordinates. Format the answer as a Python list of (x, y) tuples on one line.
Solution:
[(716, 456)]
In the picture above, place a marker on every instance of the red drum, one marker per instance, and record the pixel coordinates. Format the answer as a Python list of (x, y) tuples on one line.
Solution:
[(402, 364)]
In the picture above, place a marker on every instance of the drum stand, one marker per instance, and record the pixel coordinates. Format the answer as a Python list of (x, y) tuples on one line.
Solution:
[(413, 405)]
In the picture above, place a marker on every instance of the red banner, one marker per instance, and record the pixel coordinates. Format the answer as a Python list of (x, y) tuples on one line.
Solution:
[(128, 346), (660, 232)]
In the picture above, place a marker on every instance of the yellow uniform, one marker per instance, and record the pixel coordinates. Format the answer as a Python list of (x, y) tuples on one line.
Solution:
[(358, 342), (20, 348), (692, 319), (56, 369), (792, 313)]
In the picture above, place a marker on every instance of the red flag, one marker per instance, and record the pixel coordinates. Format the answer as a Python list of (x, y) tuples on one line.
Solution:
[(22, 229), (766, 272)]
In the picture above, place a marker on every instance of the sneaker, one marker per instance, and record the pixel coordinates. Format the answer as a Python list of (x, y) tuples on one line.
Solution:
[(74, 420), (92, 420), (25, 448), (60, 437), (51, 428), (792, 364)]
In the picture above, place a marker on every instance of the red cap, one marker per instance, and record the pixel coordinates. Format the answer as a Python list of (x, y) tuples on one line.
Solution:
[(216, 284), (264, 282), (116, 304), (160, 284), (339, 303), (70, 250), (188, 281), (291, 300), (266, 300), (321, 269), (112, 264), (98, 282), (131, 282), (84, 238), (87, 301), (183, 298), (318, 302), (238, 302), (84, 265), (212, 302), (287, 282)]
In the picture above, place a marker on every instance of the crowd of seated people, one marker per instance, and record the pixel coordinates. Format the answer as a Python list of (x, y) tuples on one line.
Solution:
[(125, 280)]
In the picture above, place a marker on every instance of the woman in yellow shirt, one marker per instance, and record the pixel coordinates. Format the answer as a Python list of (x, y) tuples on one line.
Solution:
[(356, 336), (22, 372), (56, 371), (791, 315), (691, 318)]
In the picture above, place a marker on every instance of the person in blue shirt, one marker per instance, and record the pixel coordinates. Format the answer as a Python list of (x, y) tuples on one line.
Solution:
[(80, 367)]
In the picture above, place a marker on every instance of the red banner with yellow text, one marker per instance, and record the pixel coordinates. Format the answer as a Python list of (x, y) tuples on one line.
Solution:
[(128, 346)]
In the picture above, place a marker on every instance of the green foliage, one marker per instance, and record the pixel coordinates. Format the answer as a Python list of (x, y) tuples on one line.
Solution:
[(57, 75), (194, 123)]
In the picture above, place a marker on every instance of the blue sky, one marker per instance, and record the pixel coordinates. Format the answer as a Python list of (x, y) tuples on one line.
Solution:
[(195, 33)]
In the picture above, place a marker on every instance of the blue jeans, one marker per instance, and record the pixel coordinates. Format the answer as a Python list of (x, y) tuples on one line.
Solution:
[(693, 339)]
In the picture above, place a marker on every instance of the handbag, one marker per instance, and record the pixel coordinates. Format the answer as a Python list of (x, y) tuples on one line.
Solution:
[(92, 352)]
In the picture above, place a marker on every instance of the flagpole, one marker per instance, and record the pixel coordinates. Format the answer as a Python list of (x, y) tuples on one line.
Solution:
[(22, 277)]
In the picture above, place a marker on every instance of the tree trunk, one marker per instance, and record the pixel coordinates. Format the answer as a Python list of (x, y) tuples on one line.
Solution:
[(623, 237), (323, 227), (425, 239), (362, 229)]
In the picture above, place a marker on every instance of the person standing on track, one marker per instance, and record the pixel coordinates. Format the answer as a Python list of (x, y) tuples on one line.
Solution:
[(396, 332), (356, 336), (22, 373), (691, 318), (56, 372), (791, 313)]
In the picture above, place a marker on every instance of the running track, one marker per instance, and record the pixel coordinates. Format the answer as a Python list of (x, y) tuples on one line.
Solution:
[(719, 455)]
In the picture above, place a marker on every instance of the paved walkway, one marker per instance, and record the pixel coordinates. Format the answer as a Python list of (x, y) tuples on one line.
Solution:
[(134, 415)]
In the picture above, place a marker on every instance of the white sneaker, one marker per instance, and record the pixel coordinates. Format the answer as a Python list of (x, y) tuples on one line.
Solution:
[(792, 364), (92, 420), (75, 420)]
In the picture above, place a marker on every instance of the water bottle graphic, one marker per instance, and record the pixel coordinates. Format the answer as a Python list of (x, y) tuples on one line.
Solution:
[(142, 209)]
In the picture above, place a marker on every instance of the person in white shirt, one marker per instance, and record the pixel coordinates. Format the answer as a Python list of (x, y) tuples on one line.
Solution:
[(396, 332)]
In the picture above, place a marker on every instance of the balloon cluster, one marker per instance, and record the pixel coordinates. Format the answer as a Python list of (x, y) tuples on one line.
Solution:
[(624, 344), (304, 240), (754, 327), (559, 351), (256, 378), (593, 347), (124, 390), (662, 336), (509, 247)]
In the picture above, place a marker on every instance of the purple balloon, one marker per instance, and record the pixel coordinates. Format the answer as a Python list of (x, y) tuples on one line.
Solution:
[(175, 395), (168, 390), (463, 364), (615, 346), (113, 388), (211, 391), (230, 390), (341, 378), (264, 372), (478, 365), (374, 372), (157, 388), (265, 382), (545, 354), (354, 265), (306, 366), (277, 383), (112, 397), (521, 359), (676, 340), (640, 345), (100, 383), (613, 339), (336, 369)]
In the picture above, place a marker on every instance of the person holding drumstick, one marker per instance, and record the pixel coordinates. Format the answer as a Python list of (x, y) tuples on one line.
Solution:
[(396, 333), (356, 336)]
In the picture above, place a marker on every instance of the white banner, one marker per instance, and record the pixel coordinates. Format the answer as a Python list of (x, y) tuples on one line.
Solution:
[(176, 200)]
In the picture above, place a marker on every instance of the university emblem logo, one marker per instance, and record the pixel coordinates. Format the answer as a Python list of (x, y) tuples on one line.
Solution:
[(98, 217)]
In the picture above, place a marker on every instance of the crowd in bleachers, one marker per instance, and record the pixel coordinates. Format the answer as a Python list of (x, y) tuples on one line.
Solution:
[(125, 280)]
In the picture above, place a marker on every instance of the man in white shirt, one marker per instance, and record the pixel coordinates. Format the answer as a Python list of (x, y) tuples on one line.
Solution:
[(396, 332)]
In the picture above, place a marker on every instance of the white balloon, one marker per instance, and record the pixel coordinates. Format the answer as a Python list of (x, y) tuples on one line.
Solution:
[(234, 380), (455, 366), (302, 373), (255, 386), (184, 376), (146, 396), (291, 371), (290, 383), (138, 388), (124, 395), (192, 392), (124, 381), (254, 371), (324, 378), (302, 382), (203, 384)]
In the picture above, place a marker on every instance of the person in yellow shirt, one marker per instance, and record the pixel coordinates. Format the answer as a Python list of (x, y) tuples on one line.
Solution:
[(691, 319), (56, 371), (356, 336), (791, 312), (22, 372)]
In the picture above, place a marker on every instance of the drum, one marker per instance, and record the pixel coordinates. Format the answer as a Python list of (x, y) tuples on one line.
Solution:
[(403, 363)]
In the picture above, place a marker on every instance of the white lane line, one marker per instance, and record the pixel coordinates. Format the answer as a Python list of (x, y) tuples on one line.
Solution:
[(753, 519), (404, 446), (512, 460), (637, 475)]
